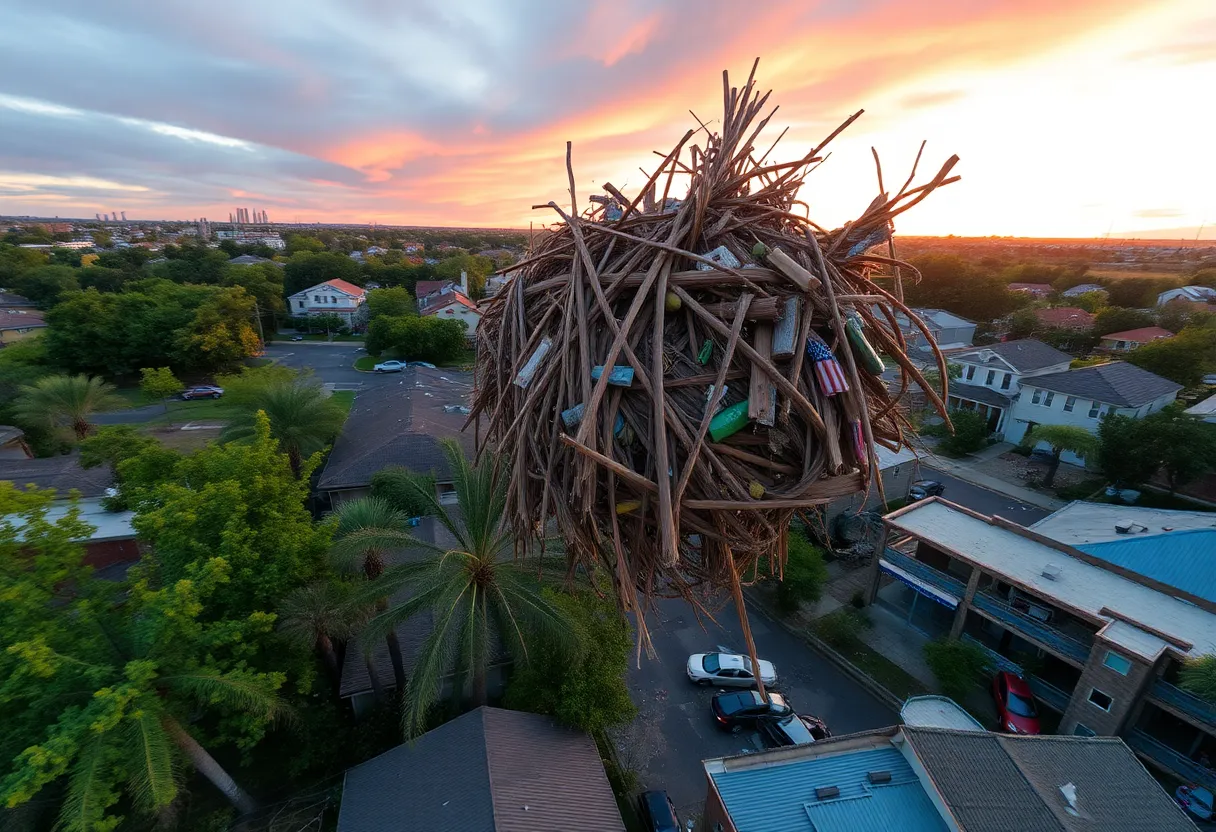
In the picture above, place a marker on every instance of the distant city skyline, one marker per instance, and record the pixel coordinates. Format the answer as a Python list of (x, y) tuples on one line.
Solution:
[(1077, 119)]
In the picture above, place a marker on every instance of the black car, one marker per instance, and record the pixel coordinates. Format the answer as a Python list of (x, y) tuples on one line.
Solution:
[(736, 711), (792, 730), (925, 488), (203, 392), (658, 815)]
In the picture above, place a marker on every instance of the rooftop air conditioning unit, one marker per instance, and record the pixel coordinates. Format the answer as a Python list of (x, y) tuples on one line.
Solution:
[(826, 792), (1129, 527), (879, 777), (1051, 572)]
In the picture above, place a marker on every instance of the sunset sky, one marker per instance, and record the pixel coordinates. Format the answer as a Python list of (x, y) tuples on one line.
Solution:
[(1073, 118)]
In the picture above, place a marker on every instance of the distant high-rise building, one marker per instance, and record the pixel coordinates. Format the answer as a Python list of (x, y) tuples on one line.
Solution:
[(98, 217), (124, 216), (265, 218)]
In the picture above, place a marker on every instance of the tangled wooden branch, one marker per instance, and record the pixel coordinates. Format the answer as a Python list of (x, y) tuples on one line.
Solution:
[(672, 379)]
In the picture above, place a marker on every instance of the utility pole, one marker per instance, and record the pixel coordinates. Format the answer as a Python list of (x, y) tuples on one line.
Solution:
[(257, 311)]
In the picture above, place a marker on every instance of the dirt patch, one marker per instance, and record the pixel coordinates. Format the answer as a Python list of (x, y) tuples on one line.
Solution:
[(1028, 473), (185, 441)]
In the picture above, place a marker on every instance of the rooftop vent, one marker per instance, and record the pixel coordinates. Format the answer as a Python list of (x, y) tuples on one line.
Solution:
[(1069, 791), (1051, 572), (826, 792), (1130, 527), (879, 777)]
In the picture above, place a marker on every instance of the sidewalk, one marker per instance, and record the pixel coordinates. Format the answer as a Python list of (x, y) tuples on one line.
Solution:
[(962, 468)]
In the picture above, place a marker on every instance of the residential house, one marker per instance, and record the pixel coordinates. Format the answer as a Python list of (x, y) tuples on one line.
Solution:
[(399, 424), (949, 331), (1035, 290), (490, 770), (939, 780), (334, 297), (1083, 289), (13, 444), (454, 306), (1188, 294), (9, 300), (1065, 317), (990, 377), (1083, 396), (111, 542), (1130, 339), (16, 324), (1099, 625), (1205, 410), (425, 288)]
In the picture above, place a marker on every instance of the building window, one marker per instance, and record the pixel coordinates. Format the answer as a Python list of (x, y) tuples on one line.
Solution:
[(1005, 381), (1047, 400), (316, 298), (1038, 395), (1100, 700), (1094, 407), (970, 373), (301, 303), (1083, 731), (1117, 663), (991, 378), (333, 299), (1068, 404)]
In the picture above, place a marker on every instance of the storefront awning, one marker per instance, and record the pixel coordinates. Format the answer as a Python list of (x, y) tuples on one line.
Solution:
[(918, 585)]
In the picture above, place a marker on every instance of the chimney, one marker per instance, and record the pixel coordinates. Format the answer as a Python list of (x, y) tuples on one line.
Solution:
[(464, 283)]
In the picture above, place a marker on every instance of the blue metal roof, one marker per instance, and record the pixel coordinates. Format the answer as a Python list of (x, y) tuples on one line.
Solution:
[(781, 797), (1184, 559)]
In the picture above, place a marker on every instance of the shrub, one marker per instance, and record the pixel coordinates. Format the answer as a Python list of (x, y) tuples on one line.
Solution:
[(841, 628), (1081, 491), (394, 485), (956, 665), (1021, 450), (970, 433), (805, 574), (858, 600)]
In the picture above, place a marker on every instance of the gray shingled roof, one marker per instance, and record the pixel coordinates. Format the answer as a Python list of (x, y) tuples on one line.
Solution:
[(996, 783), (397, 423), (490, 769), (984, 395), (1026, 355), (61, 473), (1117, 383)]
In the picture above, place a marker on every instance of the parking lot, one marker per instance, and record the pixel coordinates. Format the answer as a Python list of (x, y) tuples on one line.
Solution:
[(675, 729)]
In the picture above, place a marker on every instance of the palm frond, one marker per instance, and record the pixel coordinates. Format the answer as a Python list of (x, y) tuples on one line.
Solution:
[(153, 781), (521, 602), (309, 612), (64, 401), (425, 597), (92, 787), (253, 693), (347, 552), (481, 493), (473, 656), (301, 416), (436, 658)]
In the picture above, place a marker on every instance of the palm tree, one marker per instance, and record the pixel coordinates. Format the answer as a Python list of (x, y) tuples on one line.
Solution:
[(314, 616), (66, 402), (302, 418), (369, 558), (473, 589), (1061, 438)]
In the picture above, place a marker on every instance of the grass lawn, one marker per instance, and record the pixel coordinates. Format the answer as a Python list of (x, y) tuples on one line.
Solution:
[(345, 399), (131, 397), (199, 410), (881, 669), (366, 362)]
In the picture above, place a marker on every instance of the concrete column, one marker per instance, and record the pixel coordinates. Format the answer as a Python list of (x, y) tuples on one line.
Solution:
[(1125, 691), (964, 604), (880, 546)]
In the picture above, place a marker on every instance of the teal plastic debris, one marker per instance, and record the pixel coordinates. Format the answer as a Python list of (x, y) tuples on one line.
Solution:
[(620, 376), (729, 422), (869, 357)]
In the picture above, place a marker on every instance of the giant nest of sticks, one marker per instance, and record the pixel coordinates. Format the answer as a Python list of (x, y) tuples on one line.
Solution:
[(673, 376)]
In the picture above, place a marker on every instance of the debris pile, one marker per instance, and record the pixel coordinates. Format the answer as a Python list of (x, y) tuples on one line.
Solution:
[(672, 376)]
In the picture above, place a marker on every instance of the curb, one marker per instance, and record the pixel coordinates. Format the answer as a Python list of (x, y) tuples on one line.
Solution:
[(848, 668)]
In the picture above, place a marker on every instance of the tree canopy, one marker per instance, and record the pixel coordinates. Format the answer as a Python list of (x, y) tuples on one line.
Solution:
[(1185, 358), (417, 339), (952, 283)]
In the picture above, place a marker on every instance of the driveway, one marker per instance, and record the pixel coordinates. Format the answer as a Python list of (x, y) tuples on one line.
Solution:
[(983, 500), (674, 730)]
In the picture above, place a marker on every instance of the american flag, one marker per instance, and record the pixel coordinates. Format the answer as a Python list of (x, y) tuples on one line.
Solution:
[(827, 369)]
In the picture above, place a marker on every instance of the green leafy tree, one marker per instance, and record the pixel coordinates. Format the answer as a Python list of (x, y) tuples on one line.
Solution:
[(246, 386), (1116, 319), (1126, 454), (66, 402), (1198, 676), (970, 433), (1023, 324), (952, 283), (1061, 438), (159, 384), (46, 285), (222, 331), (957, 666), (102, 239), (399, 487), (418, 339), (102, 682), (1185, 446), (584, 687), (317, 615), (305, 270), (236, 501), (302, 242), (476, 267), (1089, 301), (1185, 358), (302, 419), (1138, 292), (392, 303), (473, 589)]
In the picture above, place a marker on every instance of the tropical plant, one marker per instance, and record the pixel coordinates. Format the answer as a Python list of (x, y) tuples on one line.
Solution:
[(1198, 676), (66, 402), (956, 665), (103, 681), (474, 590), (158, 384), (302, 419), (1061, 438), (371, 559), (395, 485), (317, 615)]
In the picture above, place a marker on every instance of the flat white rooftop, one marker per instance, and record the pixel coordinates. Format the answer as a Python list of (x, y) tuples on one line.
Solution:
[(1080, 522), (1078, 585), (107, 525)]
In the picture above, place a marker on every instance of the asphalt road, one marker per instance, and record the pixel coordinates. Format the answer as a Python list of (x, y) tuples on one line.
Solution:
[(983, 500), (331, 362), (675, 730)]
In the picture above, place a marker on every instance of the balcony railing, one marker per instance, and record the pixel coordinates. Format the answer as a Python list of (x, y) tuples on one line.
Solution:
[(1186, 703), (934, 577), (1034, 629), (1169, 759), (1047, 693)]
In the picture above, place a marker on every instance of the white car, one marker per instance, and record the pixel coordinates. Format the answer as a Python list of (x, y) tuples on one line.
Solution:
[(390, 367), (728, 670)]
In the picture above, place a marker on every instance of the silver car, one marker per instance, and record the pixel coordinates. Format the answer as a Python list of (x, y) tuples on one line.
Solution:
[(728, 670)]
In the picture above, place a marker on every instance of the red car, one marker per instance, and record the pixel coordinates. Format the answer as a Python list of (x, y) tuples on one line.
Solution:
[(1015, 706)]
